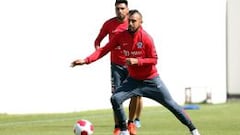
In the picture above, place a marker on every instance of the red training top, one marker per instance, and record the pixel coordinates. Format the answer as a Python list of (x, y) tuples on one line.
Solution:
[(134, 45), (112, 27)]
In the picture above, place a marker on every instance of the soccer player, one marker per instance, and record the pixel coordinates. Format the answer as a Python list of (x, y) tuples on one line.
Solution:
[(118, 66), (143, 80)]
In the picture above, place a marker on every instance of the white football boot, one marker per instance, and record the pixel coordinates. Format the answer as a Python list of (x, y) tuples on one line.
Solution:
[(125, 132), (137, 123), (195, 132)]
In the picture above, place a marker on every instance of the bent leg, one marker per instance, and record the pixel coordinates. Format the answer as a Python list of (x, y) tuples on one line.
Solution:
[(157, 91), (122, 93), (118, 75)]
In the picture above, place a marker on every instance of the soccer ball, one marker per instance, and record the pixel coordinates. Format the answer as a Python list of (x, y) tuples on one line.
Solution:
[(83, 127)]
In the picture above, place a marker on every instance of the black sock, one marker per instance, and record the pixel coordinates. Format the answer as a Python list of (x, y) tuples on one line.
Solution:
[(191, 127), (116, 126), (137, 119), (130, 121)]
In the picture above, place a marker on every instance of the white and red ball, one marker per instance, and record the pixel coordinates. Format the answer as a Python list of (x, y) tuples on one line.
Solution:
[(83, 127)]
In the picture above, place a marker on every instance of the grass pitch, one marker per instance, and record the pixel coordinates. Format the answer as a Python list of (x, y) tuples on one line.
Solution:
[(221, 119)]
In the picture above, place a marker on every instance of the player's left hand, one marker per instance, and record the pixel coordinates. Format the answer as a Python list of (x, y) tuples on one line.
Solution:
[(78, 62), (131, 61)]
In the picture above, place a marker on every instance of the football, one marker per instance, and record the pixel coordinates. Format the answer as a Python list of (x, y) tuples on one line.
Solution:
[(83, 127)]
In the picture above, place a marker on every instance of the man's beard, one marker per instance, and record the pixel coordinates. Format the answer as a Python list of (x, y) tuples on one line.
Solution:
[(120, 17), (132, 30)]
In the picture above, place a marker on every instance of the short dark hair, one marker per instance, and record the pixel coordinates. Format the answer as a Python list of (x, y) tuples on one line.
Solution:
[(133, 11), (121, 1)]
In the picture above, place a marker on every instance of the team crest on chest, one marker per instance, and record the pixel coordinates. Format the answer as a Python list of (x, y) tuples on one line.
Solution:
[(139, 45)]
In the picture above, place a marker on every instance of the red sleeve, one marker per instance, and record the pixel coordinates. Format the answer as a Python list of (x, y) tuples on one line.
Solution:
[(103, 32), (150, 53), (99, 53)]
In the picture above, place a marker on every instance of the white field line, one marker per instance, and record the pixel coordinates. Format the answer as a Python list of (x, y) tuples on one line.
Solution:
[(46, 121)]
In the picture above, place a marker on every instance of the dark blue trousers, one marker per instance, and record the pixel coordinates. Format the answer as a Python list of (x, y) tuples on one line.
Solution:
[(151, 88)]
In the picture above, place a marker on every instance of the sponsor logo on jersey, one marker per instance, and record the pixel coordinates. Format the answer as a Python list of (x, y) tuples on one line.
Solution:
[(139, 45)]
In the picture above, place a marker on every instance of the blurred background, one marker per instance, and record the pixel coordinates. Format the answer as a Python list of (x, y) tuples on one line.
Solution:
[(197, 42)]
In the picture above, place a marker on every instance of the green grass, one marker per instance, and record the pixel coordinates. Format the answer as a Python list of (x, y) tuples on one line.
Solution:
[(221, 119)]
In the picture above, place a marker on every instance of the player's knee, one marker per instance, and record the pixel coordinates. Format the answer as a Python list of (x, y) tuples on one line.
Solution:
[(114, 99)]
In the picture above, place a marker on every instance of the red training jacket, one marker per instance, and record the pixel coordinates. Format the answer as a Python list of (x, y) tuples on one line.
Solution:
[(134, 45), (112, 27)]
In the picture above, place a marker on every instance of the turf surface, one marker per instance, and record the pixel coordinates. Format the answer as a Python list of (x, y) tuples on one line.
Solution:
[(220, 119)]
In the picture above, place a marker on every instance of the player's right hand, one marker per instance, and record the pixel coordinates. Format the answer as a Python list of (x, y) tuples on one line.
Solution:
[(78, 62)]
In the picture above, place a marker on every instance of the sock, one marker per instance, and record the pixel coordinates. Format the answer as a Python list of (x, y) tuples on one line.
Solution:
[(137, 119), (130, 121), (191, 128), (116, 126)]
